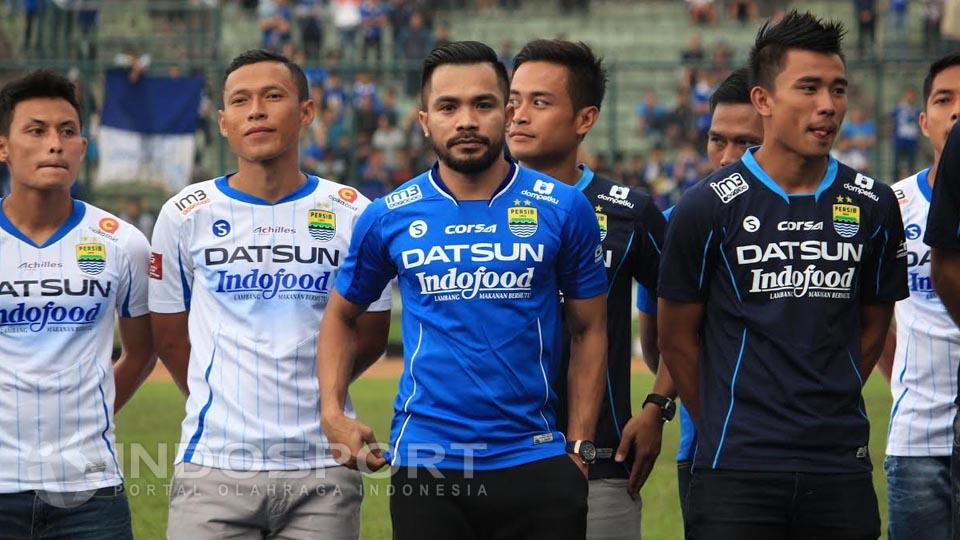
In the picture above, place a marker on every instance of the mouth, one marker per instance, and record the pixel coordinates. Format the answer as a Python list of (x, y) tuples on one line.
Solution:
[(822, 132), (256, 130), (469, 142), (520, 136), (61, 165)]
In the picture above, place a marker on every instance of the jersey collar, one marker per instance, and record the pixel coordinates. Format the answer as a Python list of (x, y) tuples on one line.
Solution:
[(756, 170), (585, 178), (924, 185), (434, 176), (307, 188), (76, 215)]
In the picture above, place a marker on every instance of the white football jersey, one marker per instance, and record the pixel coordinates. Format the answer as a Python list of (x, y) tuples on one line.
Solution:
[(924, 376), (57, 307), (255, 278)]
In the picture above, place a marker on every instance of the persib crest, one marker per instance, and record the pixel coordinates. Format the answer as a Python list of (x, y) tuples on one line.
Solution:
[(322, 224), (91, 257), (522, 220)]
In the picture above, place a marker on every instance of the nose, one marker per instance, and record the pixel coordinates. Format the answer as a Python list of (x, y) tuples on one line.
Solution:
[(54, 142), (467, 119), (826, 103), (257, 111), (730, 154), (520, 112)]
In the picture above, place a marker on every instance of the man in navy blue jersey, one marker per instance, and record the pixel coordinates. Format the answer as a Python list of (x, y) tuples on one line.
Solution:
[(556, 93), (777, 285), (480, 246)]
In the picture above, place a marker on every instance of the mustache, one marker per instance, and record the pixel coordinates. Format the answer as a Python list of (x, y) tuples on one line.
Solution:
[(468, 137)]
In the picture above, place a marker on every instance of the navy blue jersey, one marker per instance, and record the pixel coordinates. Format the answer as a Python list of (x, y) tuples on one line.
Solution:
[(482, 337), (631, 230), (943, 221), (782, 279)]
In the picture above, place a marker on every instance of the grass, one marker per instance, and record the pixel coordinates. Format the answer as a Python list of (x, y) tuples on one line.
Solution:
[(153, 417)]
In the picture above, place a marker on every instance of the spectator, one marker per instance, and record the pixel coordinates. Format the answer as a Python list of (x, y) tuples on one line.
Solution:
[(402, 171), (388, 139), (932, 18), (136, 64), (373, 18), (346, 19), (388, 107), (366, 117), (364, 86), (398, 17), (906, 134), (743, 11), (860, 130), (506, 54), (309, 13), (374, 177), (702, 91), (690, 60), (87, 22), (848, 153), (442, 35), (332, 167), (334, 95), (419, 43), (702, 12), (680, 123), (866, 15), (688, 168), (898, 16), (275, 24), (651, 117), (633, 173)]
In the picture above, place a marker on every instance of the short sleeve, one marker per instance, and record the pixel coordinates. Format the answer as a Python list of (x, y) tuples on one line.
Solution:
[(582, 274), (368, 269), (134, 281), (171, 267), (646, 302), (686, 262), (943, 222), (646, 247), (885, 269)]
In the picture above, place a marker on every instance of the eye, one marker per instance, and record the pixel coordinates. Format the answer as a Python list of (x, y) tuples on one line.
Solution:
[(484, 105), (238, 101), (840, 91), (274, 95), (540, 102), (446, 107), (941, 100), (38, 131), (68, 132)]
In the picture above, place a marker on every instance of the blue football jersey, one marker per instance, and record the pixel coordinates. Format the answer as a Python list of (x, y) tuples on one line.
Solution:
[(782, 279), (482, 336)]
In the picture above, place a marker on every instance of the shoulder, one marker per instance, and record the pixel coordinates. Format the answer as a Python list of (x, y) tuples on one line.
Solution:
[(617, 195), (555, 195), (860, 184), (107, 227), (191, 199), (342, 196)]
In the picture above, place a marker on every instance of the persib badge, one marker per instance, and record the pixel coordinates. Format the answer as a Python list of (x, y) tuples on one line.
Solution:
[(91, 257), (846, 219), (522, 220), (602, 220), (322, 225)]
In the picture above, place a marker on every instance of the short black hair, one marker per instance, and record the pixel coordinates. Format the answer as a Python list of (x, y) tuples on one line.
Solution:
[(734, 90), (255, 56), (461, 53), (803, 31), (587, 79), (41, 83), (944, 62)]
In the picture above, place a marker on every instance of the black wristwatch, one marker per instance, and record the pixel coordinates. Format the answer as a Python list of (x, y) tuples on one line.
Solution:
[(585, 450), (667, 406)]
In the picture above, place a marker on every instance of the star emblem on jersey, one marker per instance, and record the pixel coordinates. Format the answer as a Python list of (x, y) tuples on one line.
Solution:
[(91, 256), (846, 219), (522, 220), (602, 221), (322, 224)]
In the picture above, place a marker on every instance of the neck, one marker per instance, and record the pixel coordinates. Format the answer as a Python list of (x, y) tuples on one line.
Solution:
[(38, 214), (479, 186), (268, 180), (794, 173), (932, 175), (564, 168)]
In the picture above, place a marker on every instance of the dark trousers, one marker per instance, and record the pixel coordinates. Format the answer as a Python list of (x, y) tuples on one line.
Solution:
[(101, 515), (545, 499), (737, 505), (684, 475)]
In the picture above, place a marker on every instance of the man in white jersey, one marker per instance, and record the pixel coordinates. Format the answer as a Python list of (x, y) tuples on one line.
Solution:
[(921, 356), (66, 268), (241, 273)]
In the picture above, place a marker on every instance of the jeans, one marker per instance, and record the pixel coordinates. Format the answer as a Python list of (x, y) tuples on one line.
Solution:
[(918, 497), (34, 515)]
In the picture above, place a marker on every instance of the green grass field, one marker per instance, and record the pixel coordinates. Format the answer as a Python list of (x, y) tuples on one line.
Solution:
[(153, 417)]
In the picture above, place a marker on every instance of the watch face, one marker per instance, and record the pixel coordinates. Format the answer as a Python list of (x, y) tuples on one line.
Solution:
[(669, 410), (588, 452)]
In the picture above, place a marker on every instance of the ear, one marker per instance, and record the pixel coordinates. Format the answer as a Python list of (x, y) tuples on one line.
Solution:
[(585, 119), (220, 123), (308, 111), (4, 148), (922, 120), (83, 153), (761, 99), (422, 117)]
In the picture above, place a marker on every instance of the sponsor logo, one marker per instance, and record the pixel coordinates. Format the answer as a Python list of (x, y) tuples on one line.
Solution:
[(902, 199), (799, 283), (846, 219), (862, 185), (257, 284), (864, 182), (38, 265), (322, 224), (730, 187), (800, 226), (809, 250), (91, 257), (418, 228), (539, 196), (221, 228), (36, 319), (189, 202), (273, 254), (902, 249), (619, 192), (55, 287), (522, 220), (602, 221), (471, 228), (481, 283), (915, 258), (598, 254), (348, 194), (912, 231), (751, 224), (543, 187), (482, 252), (614, 199), (543, 438), (278, 229), (403, 197), (156, 265), (109, 225)]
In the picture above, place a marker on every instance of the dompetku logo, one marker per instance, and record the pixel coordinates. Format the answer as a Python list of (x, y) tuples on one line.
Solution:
[(522, 220), (322, 225), (91, 257)]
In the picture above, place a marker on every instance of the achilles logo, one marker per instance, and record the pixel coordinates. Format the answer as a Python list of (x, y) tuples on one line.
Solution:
[(543, 188), (800, 226), (730, 187), (807, 282), (481, 283)]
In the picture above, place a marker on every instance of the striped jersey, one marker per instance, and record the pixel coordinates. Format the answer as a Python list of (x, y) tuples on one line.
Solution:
[(255, 278), (923, 379), (482, 335), (58, 303)]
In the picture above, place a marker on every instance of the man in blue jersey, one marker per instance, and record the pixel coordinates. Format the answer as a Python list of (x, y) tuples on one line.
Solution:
[(921, 356), (555, 94), (734, 127), (480, 246), (777, 285), (67, 269)]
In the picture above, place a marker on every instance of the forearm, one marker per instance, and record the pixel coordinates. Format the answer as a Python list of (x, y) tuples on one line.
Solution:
[(681, 360), (336, 349), (885, 364), (648, 341), (129, 372), (663, 383), (175, 355), (875, 324), (588, 363)]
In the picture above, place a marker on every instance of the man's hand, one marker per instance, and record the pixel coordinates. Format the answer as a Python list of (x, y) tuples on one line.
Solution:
[(351, 441), (580, 464), (642, 436)]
